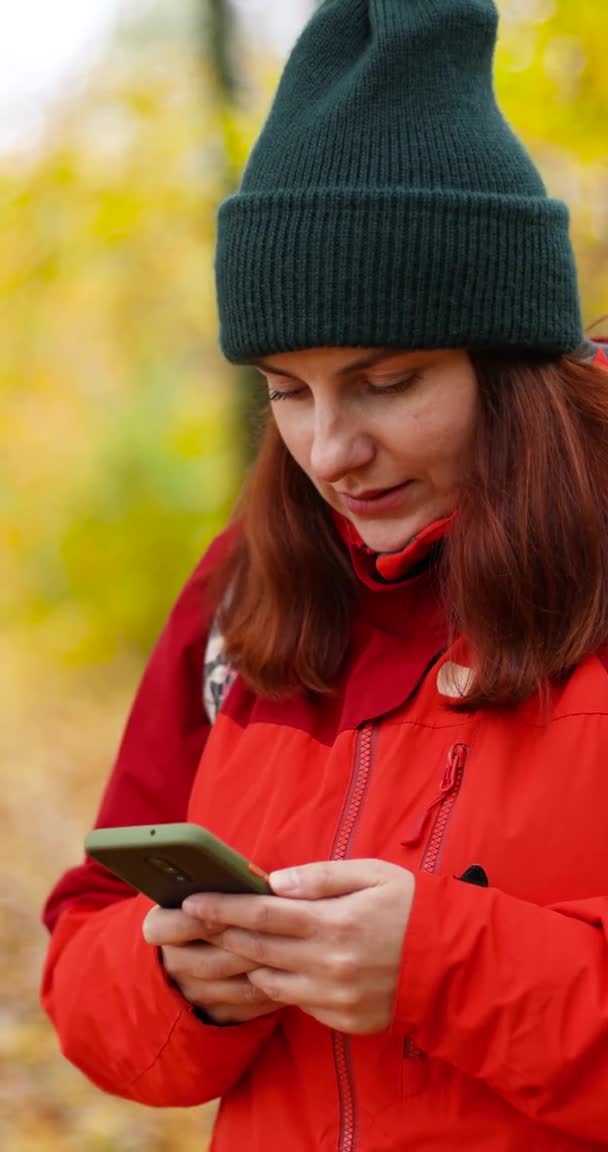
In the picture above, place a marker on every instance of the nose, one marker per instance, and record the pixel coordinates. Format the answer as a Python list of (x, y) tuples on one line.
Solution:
[(339, 445)]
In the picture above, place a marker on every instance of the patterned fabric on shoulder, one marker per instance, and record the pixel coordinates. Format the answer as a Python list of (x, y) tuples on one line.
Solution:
[(218, 673)]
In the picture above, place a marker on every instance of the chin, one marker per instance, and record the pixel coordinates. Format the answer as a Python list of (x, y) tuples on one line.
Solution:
[(394, 536), (383, 540)]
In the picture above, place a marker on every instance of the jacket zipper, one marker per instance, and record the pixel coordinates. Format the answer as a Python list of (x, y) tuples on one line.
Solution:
[(445, 801), (340, 851), (451, 787)]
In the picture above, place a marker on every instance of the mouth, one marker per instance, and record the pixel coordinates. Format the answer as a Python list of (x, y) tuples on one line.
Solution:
[(374, 500)]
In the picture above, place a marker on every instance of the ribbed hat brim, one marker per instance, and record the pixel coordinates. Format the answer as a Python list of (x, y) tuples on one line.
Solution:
[(410, 268)]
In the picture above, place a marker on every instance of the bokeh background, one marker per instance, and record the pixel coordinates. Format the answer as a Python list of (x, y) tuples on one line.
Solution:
[(125, 435)]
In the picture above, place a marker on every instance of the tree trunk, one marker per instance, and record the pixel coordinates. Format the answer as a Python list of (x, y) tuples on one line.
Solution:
[(217, 39)]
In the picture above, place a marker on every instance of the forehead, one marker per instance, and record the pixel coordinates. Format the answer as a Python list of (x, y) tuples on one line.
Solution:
[(338, 361)]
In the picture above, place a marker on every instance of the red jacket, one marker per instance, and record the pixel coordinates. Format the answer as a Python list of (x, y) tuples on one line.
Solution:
[(499, 1038)]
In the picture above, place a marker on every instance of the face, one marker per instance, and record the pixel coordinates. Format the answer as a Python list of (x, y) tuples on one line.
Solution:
[(383, 434)]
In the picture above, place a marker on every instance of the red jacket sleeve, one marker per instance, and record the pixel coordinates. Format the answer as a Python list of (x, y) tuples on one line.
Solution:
[(117, 1016), (513, 994)]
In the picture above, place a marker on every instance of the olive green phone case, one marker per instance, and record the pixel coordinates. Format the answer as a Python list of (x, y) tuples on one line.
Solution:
[(171, 861)]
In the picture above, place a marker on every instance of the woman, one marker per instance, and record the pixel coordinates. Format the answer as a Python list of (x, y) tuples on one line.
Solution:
[(413, 599)]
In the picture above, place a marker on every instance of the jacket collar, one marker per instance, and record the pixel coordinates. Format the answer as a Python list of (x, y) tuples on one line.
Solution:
[(378, 570), (601, 352)]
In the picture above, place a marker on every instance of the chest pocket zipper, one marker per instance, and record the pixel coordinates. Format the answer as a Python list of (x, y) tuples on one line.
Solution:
[(415, 1070), (442, 804)]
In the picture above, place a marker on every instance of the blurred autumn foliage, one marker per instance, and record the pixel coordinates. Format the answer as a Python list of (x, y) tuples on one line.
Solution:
[(120, 438)]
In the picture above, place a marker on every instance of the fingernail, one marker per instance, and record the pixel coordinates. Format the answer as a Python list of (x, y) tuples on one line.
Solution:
[(285, 881), (193, 906)]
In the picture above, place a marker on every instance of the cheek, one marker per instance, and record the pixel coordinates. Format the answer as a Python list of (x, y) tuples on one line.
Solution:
[(288, 434), (438, 446), (454, 451), (294, 435), (446, 422)]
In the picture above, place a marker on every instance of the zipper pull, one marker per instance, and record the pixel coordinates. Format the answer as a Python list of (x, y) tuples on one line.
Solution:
[(415, 835), (456, 761), (456, 758)]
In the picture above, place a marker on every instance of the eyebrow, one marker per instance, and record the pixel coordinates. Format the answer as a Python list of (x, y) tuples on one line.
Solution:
[(375, 357)]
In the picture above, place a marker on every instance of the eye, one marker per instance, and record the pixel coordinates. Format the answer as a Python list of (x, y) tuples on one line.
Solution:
[(274, 394), (398, 386)]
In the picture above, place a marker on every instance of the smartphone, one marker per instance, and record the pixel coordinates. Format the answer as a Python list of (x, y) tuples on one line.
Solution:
[(168, 862)]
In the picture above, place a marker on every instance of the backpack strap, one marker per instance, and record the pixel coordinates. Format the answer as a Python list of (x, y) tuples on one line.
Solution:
[(218, 673)]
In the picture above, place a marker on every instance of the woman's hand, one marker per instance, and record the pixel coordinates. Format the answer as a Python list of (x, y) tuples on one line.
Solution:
[(211, 978), (333, 947)]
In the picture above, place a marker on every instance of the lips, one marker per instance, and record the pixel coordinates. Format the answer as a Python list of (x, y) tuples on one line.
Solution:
[(372, 493), (376, 501)]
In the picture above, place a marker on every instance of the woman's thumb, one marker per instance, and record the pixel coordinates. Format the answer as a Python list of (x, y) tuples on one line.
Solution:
[(325, 878)]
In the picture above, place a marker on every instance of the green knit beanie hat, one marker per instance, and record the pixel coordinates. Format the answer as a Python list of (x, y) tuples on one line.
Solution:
[(387, 201)]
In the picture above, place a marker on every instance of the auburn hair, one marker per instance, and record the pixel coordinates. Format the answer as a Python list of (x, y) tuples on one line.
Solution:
[(524, 572)]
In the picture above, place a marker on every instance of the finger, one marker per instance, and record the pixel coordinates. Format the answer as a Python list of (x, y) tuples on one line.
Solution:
[(328, 878), (291, 988), (265, 914), (219, 964), (173, 926), (261, 949), (204, 962), (226, 1014), (336, 1011), (340, 1010), (237, 992)]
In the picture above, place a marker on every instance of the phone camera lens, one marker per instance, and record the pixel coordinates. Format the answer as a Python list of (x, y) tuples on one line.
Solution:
[(166, 866)]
